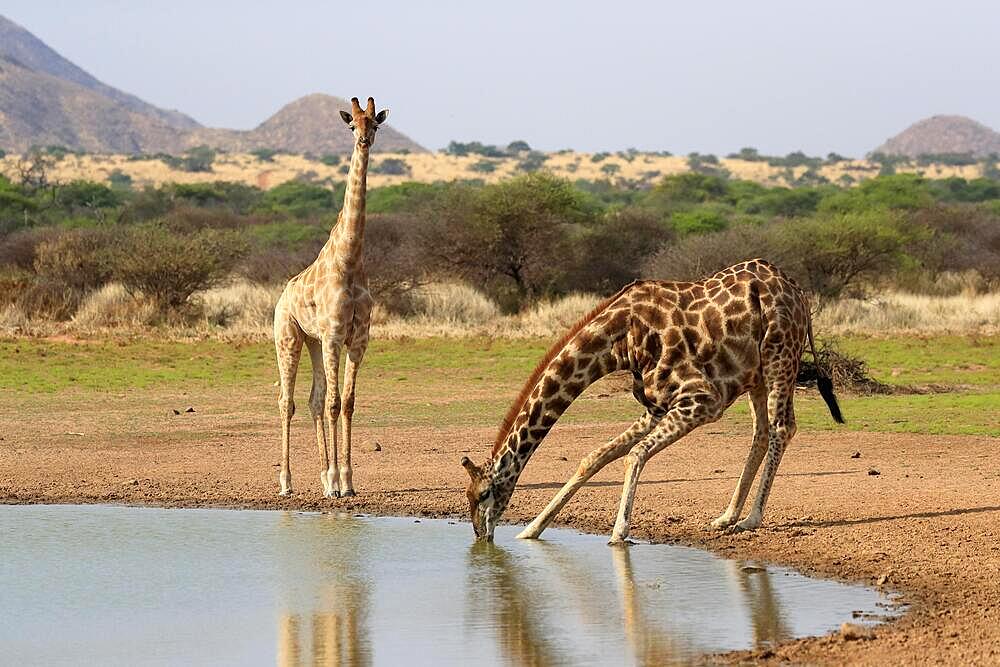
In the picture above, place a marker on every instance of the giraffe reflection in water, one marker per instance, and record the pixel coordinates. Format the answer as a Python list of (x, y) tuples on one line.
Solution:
[(513, 599), (335, 631)]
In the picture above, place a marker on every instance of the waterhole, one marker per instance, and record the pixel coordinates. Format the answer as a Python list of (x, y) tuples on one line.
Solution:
[(125, 585)]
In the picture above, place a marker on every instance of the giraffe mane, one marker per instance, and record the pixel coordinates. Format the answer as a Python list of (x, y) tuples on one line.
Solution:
[(536, 374)]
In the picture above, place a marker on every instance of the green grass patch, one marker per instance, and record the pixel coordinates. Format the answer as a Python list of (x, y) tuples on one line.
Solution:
[(446, 382), (944, 360)]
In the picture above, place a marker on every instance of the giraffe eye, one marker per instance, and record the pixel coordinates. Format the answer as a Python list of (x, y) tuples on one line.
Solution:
[(484, 495), (351, 126)]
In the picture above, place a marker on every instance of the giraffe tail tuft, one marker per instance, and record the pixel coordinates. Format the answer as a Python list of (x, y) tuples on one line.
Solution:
[(823, 381), (825, 386)]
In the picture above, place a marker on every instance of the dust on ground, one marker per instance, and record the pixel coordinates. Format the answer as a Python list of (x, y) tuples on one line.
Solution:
[(928, 524)]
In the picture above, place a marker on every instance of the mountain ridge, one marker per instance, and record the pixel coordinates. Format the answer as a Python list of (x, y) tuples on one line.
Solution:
[(47, 100), (943, 134)]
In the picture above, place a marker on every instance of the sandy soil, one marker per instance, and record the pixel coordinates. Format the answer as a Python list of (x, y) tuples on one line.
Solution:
[(927, 525)]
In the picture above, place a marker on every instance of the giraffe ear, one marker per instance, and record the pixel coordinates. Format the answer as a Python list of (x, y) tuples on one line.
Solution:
[(381, 116), (471, 467), (348, 118)]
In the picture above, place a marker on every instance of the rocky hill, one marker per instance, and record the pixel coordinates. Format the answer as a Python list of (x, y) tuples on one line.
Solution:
[(21, 47), (47, 100), (38, 109), (943, 134), (310, 124)]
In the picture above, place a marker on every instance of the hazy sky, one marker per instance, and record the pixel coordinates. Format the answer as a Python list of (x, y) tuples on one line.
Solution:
[(678, 76)]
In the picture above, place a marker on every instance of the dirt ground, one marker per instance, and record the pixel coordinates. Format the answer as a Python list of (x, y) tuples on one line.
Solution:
[(927, 525)]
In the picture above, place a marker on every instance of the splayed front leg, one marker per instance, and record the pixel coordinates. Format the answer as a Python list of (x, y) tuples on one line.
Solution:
[(689, 411), (589, 466)]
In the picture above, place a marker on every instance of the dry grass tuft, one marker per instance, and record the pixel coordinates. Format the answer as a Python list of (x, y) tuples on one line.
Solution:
[(113, 306), (238, 310), (900, 312)]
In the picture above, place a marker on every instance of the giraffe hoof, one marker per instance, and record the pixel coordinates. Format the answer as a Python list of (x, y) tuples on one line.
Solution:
[(721, 523), (348, 494), (285, 493), (744, 525), (331, 494), (620, 542)]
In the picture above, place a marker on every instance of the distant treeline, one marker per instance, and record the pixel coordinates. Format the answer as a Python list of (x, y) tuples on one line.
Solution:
[(520, 240)]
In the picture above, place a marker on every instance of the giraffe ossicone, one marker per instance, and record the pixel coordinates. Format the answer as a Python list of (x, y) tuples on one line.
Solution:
[(692, 348), (327, 307)]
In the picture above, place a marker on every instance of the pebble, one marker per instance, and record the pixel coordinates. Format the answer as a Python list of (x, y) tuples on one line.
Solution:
[(856, 455), (377, 447), (873, 472)]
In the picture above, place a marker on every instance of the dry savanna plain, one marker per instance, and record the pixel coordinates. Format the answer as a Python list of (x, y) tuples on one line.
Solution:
[(617, 168), (905, 496)]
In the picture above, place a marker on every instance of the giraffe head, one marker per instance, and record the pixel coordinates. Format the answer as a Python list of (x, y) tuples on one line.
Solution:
[(488, 498), (364, 123)]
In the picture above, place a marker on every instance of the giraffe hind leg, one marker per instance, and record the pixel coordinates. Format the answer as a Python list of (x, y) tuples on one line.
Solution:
[(781, 428), (758, 404), (288, 347)]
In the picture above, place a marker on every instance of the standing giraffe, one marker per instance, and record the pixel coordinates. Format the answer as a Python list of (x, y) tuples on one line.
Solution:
[(328, 306), (692, 349)]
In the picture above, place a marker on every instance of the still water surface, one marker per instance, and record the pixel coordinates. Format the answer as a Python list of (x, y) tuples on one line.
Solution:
[(125, 585)]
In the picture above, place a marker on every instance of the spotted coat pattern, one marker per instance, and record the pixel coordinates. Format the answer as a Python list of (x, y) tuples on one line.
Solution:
[(692, 349), (328, 308)]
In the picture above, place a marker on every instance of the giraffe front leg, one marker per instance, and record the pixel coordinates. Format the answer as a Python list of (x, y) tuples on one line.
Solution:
[(331, 365), (589, 467), (288, 346), (351, 367), (690, 411)]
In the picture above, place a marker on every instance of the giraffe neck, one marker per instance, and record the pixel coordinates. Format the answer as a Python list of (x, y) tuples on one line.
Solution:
[(349, 234), (563, 379)]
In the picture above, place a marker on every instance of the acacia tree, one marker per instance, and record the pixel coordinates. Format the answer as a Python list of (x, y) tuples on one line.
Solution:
[(511, 238)]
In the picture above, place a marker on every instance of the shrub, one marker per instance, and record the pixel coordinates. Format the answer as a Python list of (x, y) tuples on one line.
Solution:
[(119, 180), (827, 255), (900, 191), (87, 195), (504, 236), (748, 154), (300, 199), (265, 154), (473, 148), (700, 220), (19, 249), (531, 162), (610, 169), (78, 260), (515, 147), (675, 191), (197, 159), (392, 166), (611, 253), (181, 264), (236, 197), (484, 166), (330, 159), (269, 265)]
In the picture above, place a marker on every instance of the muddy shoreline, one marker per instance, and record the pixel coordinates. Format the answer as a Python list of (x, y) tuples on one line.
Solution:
[(928, 525)]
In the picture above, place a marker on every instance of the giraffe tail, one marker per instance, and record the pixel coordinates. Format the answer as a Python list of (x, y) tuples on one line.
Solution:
[(823, 381)]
